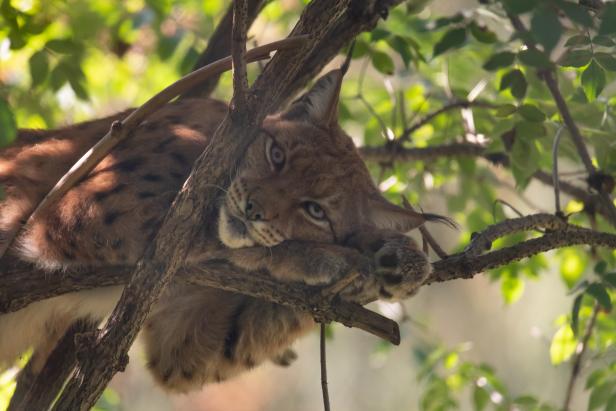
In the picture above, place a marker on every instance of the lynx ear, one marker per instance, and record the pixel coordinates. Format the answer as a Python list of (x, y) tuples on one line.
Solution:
[(319, 104), (384, 214)]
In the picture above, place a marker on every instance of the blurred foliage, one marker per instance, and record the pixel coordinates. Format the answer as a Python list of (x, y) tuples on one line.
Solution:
[(67, 61)]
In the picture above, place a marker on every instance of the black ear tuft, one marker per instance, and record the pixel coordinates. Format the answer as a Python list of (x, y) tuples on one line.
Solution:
[(441, 219)]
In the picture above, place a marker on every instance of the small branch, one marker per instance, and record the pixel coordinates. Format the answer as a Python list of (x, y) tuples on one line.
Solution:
[(483, 241), (324, 369), (577, 361), (219, 46), (447, 107), (238, 55), (120, 130), (555, 179)]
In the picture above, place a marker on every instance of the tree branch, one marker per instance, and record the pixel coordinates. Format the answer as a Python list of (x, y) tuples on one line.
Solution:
[(238, 56), (219, 46)]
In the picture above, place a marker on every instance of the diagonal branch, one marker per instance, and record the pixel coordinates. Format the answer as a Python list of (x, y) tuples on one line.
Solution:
[(238, 56), (219, 46)]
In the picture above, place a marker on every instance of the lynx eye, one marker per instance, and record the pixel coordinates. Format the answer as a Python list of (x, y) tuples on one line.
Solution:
[(314, 210), (276, 155)]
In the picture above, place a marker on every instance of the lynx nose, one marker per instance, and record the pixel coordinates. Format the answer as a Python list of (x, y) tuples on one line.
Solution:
[(253, 211)]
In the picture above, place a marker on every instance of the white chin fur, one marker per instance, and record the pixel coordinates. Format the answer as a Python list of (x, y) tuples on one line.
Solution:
[(227, 235)]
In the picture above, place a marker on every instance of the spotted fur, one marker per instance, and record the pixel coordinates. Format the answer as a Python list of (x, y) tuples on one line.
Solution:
[(302, 206)]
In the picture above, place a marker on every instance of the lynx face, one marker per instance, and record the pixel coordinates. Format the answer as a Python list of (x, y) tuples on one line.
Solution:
[(303, 179)]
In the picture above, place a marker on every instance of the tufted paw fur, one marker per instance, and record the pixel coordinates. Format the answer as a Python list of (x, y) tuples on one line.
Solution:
[(400, 267)]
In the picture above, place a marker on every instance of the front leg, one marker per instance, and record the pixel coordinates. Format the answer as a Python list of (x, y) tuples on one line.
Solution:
[(303, 261), (400, 267)]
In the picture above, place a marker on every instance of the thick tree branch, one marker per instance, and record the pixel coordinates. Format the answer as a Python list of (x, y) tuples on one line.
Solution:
[(238, 56)]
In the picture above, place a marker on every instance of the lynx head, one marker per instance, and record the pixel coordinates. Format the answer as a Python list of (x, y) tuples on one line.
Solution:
[(303, 179)]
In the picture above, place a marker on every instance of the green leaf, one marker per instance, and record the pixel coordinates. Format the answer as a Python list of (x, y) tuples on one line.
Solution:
[(575, 314), (577, 40), (39, 67), (600, 395), (546, 28), (600, 267), (480, 398), (482, 33), (600, 294), (505, 110), (519, 6), (530, 130), (603, 41), (402, 47), (452, 39), (534, 58), (515, 81), (167, 45), (382, 62), (8, 126), (63, 46), (608, 19), (531, 113), (499, 60), (593, 80), (596, 377), (563, 345), (78, 87), (379, 34), (576, 13), (189, 60), (575, 58), (607, 61), (512, 288), (611, 403), (610, 278)]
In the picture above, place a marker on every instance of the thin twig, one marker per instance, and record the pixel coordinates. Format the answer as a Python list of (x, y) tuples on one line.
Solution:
[(324, 369), (427, 237), (120, 130), (555, 179), (447, 107), (238, 56), (577, 361)]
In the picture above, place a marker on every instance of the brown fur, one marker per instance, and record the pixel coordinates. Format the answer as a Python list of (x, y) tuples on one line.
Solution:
[(313, 217)]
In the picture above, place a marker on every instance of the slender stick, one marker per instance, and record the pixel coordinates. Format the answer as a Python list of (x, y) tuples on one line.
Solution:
[(555, 180), (577, 361), (427, 237), (120, 130), (326, 405)]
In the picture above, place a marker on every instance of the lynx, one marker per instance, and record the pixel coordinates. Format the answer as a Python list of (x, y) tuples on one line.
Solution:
[(302, 206)]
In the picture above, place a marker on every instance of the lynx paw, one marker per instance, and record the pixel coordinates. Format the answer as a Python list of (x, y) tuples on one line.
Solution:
[(400, 267)]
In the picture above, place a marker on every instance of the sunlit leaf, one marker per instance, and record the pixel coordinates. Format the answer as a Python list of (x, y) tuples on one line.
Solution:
[(382, 62), (563, 345), (593, 80), (480, 398), (512, 288)]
